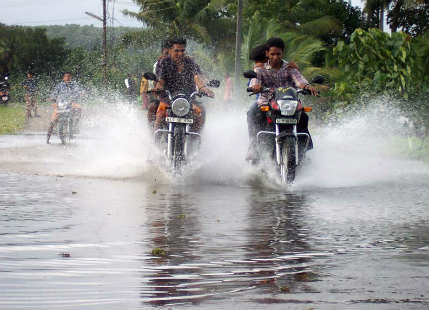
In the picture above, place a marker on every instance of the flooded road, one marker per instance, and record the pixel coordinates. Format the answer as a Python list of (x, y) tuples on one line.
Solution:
[(91, 226)]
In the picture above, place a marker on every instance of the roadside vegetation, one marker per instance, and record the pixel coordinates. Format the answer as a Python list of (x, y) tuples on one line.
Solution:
[(12, 119)]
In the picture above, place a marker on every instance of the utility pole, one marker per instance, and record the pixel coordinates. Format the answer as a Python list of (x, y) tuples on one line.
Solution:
[(104, 42), (238, 45)]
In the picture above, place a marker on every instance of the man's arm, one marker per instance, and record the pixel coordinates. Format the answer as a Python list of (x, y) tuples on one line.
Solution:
[(256, 83), (201, 85), (159, 85), (301, 82)]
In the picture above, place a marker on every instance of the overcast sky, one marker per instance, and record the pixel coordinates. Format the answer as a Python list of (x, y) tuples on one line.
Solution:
[(61, 12)]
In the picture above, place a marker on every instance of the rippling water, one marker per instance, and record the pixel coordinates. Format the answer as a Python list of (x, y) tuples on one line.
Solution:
[(95, 225), (74, 243)]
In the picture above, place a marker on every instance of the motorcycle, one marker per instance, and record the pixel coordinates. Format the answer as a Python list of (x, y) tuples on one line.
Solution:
[(279, 138), (179, 142), (4, 90), (68, 117)]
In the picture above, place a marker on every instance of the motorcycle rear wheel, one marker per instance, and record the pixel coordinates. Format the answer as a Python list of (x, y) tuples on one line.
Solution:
[(61, 133)]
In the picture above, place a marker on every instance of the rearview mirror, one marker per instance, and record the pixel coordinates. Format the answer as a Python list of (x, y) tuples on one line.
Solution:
[(214, 83), (150, 76), (250, 74), (318, 79)]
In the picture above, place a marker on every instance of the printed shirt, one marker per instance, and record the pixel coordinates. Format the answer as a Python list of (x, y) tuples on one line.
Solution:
[(178, 82), (70, 91), (30, 85), (271, 78)]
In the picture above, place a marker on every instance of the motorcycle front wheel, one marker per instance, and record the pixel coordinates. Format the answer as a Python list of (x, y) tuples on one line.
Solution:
[(178, 151), (288, 165)]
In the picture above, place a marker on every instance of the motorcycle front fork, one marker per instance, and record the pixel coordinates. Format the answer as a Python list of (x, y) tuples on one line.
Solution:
[(170, 141), (279, 158)]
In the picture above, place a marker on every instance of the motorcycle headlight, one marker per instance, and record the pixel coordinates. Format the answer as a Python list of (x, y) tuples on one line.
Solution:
[(180, 106), (287, 107)]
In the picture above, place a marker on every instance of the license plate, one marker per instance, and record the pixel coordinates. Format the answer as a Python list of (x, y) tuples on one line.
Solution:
[(4, 98), (179, 120), (291, 121)]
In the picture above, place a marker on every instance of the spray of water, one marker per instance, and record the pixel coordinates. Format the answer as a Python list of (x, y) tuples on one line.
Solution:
[(116, 143)]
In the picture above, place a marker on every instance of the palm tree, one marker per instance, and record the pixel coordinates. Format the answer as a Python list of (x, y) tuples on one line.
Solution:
[(372, 7), (300, 47)]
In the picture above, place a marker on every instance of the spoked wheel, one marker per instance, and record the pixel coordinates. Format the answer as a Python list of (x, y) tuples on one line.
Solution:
[(178, 151), (288, 166), (61, 128), (70, 129)]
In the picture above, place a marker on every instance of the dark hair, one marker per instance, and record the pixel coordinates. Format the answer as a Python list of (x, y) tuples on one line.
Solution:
[(165, 44), (180, 41), (275, 42), (258, 53), (67, 72)]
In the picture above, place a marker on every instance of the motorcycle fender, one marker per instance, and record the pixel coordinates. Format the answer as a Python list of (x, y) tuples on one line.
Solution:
[(285, 133)]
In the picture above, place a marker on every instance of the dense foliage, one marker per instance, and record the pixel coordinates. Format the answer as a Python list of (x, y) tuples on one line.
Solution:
[(22, 48)]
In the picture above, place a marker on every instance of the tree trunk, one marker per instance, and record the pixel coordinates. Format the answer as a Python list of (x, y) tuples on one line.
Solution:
[(381, 17)]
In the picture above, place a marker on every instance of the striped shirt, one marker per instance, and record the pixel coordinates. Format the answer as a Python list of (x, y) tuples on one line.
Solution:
[(272, 78)]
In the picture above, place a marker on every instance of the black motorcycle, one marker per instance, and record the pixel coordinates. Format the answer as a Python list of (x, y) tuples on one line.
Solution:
[(4, 89), (279, 138), (178, 140)]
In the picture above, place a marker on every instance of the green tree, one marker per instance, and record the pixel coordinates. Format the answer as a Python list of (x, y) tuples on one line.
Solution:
[(300, 48), (376, 62), (202, 20), (411, 16), (30, 48)]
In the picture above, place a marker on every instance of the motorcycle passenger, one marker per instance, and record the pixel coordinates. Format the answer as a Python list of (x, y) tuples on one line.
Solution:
[(275, 73), (180, 74), (67, 90), (152, 102), (30, 87)]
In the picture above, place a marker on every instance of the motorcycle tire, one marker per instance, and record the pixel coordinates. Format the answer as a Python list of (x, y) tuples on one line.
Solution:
[(61, 133), (178, 155), (288, 166), (70, 128)]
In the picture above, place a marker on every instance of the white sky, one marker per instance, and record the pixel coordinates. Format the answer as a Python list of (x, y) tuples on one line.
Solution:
[(61, 12)]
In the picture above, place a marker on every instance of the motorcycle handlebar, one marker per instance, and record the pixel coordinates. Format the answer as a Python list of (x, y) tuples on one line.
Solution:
[(267, 90)]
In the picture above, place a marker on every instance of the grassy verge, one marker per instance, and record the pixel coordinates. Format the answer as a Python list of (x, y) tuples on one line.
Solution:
[(12, 119)]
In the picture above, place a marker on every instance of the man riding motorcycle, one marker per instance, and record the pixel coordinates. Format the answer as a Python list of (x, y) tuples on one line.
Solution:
[(66, 90), (179, 74), (275, 73)]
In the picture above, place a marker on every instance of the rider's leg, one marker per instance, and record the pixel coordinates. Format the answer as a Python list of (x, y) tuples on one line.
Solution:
[(254, 117), (302, 126), (27, 106), (161, 113), (199, 117), (52, 124), (151, 111), (34, 102)]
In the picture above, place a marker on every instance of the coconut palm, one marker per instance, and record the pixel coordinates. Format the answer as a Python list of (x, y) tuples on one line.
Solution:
[(300, 47)]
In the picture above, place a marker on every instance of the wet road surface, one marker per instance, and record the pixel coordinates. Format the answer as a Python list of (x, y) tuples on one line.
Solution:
[(72, 237)]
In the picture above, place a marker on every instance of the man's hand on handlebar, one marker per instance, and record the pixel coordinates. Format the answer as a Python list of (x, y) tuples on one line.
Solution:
[(207, 92), (313, 90), (256, 88)]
